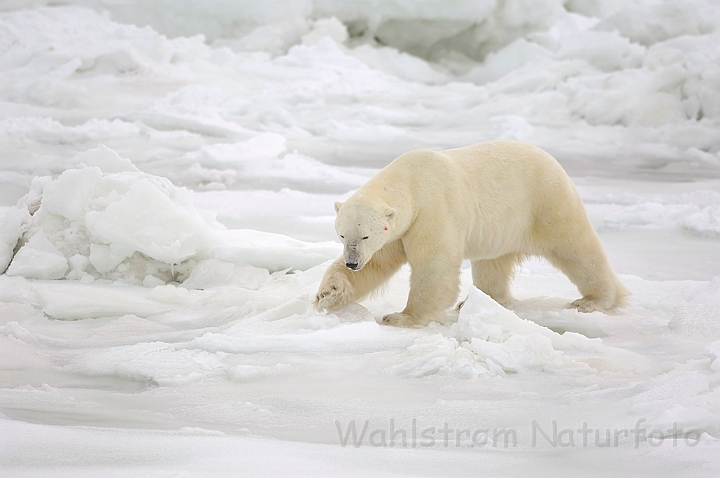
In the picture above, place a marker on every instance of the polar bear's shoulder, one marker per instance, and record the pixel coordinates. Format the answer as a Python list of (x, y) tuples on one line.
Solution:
[(498, 150), (419, 158)]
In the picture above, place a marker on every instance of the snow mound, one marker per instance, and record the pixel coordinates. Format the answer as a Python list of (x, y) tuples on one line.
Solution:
[(490, 339), (705, 222), (427, 28), (106, 219), (651, 23), (13, 223)]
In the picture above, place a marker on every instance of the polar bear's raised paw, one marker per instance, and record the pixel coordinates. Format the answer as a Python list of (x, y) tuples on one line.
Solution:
[(335, 291)]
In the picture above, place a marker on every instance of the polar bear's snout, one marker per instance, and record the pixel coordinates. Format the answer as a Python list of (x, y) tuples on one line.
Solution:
[(352, 257)]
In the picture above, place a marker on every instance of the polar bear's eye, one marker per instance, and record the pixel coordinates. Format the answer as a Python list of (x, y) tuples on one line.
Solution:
[(342, 237), (365, 237)]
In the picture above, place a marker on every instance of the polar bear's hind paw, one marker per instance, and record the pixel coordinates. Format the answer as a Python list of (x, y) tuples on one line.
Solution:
[(588, 305), (399, 319)]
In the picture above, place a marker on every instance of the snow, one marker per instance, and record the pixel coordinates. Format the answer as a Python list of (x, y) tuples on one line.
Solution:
[(119, 223), (167, 175)]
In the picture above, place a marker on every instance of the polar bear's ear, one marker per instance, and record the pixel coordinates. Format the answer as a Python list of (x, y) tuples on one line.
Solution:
[(389, 212), (338, 205)]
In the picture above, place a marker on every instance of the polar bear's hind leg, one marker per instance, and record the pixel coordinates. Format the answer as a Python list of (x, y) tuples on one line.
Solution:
[(493, 276), (591, 272)]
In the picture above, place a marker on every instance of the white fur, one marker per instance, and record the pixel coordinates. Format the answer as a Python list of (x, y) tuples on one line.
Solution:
[(493, 203)]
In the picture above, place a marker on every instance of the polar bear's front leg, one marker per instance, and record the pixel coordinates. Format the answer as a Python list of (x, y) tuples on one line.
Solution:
[(341, 286), (335, 289), (434, 285)]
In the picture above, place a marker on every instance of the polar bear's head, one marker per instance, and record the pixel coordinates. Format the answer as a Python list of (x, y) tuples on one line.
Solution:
[(363, 229)]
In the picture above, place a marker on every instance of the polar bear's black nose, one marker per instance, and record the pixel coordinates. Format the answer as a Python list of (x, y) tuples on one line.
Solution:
[(351, 265)]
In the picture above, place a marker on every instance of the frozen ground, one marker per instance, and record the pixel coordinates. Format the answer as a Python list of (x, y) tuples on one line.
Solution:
[(155, 318)]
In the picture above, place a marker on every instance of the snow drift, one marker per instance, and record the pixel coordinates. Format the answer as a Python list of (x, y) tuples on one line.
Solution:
[(108, 220)]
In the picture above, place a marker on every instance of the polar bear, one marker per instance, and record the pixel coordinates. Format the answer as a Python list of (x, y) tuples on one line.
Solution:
[(493, 203)]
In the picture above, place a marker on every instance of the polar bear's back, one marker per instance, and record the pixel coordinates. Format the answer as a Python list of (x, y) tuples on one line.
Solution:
[(494, 171), (501, 194), (507, 161)]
